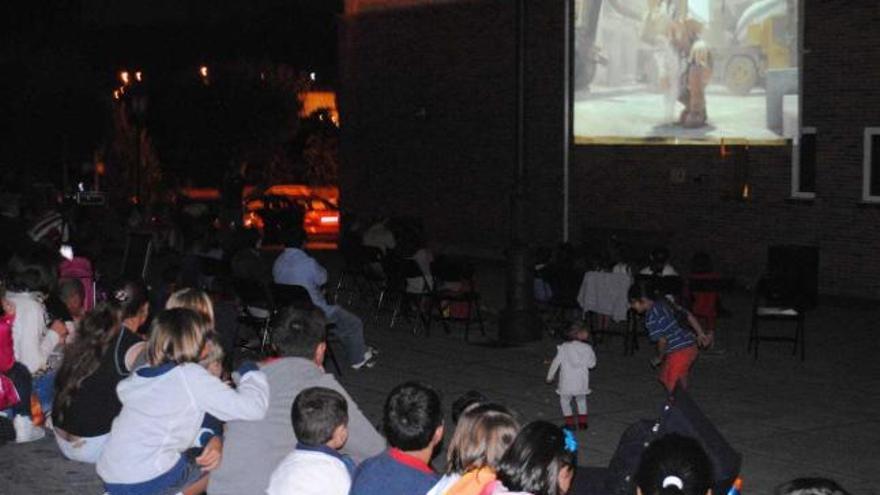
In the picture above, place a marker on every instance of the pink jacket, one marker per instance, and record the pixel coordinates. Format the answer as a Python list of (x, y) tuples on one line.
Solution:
[(7, 353)]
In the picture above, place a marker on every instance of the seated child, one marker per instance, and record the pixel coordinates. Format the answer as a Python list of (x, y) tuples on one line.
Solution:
[(163, 406), (674, 464), (413, 421), (15, 380), (483, 433), (574, 359), (320, 422), (676, 346), (541, 461)]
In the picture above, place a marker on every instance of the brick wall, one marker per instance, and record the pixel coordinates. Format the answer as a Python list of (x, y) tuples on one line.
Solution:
[(428, 106)]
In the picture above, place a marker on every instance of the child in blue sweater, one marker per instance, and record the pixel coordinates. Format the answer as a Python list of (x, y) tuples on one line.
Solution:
[(413, 421)]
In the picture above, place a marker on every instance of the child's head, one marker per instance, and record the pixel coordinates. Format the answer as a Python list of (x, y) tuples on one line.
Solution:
[(810, 486), (640, 297), (320, 417), (540, 461), (659, 258), (673, 465), (73, 295), (577, 330), (212, 355), (194, 299), (177, 336), (465, 401), (300, 333), (483, 433), (133, 301), (413, 417)]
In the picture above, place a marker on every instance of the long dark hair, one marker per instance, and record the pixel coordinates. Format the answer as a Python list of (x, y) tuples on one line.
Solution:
[(533, 462), (674, 465), (94, 338)]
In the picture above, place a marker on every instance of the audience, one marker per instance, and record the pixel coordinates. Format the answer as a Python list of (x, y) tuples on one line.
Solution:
[(85, 386), (298, 336), (316, 467), (31, 279), (541, 461), (295, 267), (483, 433), (413, 424), (163, 405), (674, 465), (573, 360)]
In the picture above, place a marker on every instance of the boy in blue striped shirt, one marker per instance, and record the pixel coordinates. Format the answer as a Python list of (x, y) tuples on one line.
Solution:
[(676, 346)]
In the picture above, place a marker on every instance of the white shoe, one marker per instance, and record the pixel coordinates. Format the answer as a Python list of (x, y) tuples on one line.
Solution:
[(369, 360), (25, 431)]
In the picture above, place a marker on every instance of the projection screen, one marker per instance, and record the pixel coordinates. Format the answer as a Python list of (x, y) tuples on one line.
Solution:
[(685, 71)]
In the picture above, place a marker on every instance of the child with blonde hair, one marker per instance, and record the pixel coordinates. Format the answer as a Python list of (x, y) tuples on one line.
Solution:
[(163, 406), (574, 360)]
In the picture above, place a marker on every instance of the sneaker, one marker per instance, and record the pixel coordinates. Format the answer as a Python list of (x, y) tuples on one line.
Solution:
[(372, 351), (25, 431), (368, 362)]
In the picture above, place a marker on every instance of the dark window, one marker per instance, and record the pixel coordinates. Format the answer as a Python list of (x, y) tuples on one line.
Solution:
[(807, 161), (874, 186)]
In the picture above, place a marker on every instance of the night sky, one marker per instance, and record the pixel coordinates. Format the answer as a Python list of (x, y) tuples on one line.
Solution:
[(60, 58)]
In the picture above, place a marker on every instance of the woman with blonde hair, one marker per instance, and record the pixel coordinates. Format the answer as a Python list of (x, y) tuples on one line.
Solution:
[(483, 434), (163, 406)]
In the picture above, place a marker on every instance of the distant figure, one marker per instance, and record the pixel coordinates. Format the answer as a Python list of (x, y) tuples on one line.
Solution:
[(674, 465), (315, 466), (704, 304), (295, 267), (659, 265), (50, 227), (573, 360), (379, 236)]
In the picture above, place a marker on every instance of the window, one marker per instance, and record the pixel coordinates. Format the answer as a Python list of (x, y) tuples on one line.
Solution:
[(803, 165), (871, 166)]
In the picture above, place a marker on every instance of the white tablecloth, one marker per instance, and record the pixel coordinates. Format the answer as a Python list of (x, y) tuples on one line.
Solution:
[(605, 293)]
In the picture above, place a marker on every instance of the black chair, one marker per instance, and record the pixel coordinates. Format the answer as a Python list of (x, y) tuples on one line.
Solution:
[(412, 302), (298, 297), (785, 293), (447, 300), (257, 308)]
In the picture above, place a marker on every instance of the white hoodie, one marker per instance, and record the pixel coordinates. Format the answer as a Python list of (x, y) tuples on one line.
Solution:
[(573, 360)]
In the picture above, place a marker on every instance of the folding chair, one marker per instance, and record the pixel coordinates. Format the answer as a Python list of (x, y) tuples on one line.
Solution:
[(412, 291), (455, 304), (767, 305), (257, 308)]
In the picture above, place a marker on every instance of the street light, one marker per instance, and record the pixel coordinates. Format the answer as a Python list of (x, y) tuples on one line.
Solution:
[(125, 77), (139, 76), (203, 71)]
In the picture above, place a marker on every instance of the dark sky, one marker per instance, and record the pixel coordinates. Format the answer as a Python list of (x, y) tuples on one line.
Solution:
[(59, 59)]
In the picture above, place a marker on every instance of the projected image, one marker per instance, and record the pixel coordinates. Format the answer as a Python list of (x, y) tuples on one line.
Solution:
[(684, 71)]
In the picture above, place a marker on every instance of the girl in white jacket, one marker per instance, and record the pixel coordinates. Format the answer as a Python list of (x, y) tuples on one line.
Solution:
[(163, 406), (574, 359)]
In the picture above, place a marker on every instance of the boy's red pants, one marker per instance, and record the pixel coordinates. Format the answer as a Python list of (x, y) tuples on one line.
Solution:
[(676, 366)]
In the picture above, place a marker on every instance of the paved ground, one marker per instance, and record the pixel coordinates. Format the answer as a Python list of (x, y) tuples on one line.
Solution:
[(789, 419)]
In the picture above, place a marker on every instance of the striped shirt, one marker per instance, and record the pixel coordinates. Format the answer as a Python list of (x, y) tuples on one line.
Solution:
[(660, 322)]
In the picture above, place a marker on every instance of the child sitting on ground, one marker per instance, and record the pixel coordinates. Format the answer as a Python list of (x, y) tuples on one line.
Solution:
[(674, 465), (676, 346), (320, 422), (541, 461), (163, 406), (15, 380), (574, 359), (483, 433), (413, 421)]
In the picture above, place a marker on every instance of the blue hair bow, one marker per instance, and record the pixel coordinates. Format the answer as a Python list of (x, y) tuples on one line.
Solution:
[(571, 443)]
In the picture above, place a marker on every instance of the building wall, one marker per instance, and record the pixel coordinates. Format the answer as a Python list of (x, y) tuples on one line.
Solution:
[(428, 105)]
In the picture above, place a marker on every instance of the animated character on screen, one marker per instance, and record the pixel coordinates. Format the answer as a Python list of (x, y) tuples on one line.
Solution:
[(683, 59)]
